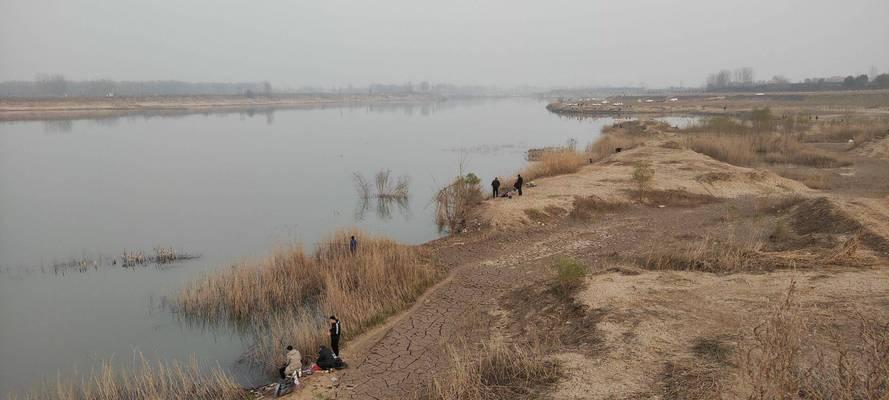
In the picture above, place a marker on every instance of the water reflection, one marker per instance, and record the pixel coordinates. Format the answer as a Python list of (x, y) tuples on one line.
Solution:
[(384, 207), (58, 126)]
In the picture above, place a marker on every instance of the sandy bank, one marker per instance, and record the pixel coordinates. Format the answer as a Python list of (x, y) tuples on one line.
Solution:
[(823, 103)]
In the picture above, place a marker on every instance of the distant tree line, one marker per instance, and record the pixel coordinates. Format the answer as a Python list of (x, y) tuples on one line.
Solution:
[(56, 85), (742, 80)]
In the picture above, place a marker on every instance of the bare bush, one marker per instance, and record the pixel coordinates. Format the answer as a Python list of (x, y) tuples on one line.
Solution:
[(454, 202), (643, 173), (783, 359)]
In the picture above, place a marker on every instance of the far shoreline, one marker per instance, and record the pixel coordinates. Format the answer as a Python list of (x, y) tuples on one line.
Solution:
[(72, 108)]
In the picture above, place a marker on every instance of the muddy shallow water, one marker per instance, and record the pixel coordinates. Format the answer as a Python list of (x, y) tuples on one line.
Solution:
[(75, 194)]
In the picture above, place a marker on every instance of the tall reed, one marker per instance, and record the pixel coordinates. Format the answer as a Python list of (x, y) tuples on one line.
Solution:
[(553, 163), (286, 298), (145, 381)]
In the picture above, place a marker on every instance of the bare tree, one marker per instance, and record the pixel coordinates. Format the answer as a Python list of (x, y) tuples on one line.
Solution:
[(746, 78), (51, 85), (719, 80)]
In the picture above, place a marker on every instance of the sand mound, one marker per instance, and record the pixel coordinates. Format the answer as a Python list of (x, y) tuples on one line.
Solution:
[(679, 174)]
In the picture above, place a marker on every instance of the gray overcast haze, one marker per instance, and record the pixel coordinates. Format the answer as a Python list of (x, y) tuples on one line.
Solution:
[(293, 43)]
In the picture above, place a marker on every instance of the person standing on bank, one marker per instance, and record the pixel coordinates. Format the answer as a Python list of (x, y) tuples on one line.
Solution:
[(519, 182), (496, 186), (353, 245), (334, 334)]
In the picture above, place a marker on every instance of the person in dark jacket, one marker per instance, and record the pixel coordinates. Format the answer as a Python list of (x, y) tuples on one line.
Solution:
[(496, 186), (353, 245), (334, 334), (326, 359), (519, 182)]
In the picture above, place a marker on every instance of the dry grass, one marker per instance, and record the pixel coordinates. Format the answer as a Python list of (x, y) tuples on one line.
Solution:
[(784, 358), (287, 296), (552, 163), (608, 144), (147, 381), (813, 179), (493, 372), (762, 138), (585, 208), (769, 234), (750, 149), (859, 130), (690, 379), (710, 255)]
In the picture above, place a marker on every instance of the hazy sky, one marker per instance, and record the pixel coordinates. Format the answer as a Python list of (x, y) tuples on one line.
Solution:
[(503, 42)]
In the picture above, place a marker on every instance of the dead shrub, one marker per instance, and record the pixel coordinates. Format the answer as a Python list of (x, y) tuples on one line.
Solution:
[(570, 276), (771, 361), (642, 175), (455, 202)]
